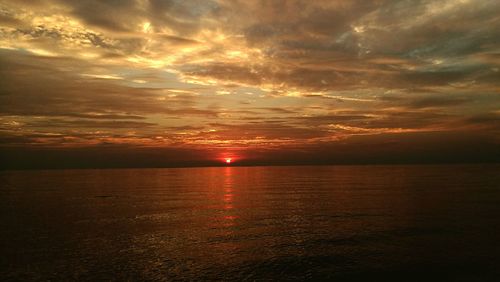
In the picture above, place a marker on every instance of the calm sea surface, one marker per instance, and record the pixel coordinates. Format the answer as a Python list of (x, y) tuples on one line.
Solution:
[(343, 223)]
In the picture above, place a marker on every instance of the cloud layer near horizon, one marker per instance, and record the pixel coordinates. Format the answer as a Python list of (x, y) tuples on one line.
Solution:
[(230, 77)]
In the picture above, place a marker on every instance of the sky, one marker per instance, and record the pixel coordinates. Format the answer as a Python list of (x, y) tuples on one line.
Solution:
[(135, 83)]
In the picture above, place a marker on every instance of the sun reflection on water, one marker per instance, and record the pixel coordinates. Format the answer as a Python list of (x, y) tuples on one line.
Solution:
[(228, 196)]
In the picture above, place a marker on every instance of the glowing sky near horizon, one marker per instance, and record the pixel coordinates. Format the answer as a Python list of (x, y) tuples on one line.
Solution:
[(228, 76)]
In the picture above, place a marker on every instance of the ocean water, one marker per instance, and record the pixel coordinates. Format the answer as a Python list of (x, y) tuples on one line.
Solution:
[(336, 223)]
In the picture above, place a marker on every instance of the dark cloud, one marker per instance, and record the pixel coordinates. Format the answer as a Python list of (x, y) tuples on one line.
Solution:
[(183, 16), (438, 147), (69, 123), (278, 110), (177, 40), (412, 101), (31, 86), (9, 20), (488, 121), (264, 130), (118, 16)]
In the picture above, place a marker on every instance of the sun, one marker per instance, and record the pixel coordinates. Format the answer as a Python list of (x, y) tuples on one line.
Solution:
[(228, 160)]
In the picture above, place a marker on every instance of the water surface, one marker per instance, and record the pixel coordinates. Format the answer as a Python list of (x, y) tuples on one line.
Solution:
[(344, 223)]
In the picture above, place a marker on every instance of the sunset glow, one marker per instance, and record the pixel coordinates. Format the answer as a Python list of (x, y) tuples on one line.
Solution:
[(178, 82), (228, 160)]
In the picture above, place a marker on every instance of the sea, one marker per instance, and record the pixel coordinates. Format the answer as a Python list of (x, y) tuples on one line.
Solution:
[(277, 223)]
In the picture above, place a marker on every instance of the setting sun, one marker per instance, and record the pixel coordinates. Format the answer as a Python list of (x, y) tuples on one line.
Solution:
[(228, 160)]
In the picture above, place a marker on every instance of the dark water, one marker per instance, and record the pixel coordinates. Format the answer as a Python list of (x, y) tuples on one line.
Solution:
[(345, 223)]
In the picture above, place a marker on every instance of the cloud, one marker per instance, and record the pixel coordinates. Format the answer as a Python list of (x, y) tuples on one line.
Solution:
[(435, 147), (293, 73), (37, 86)]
